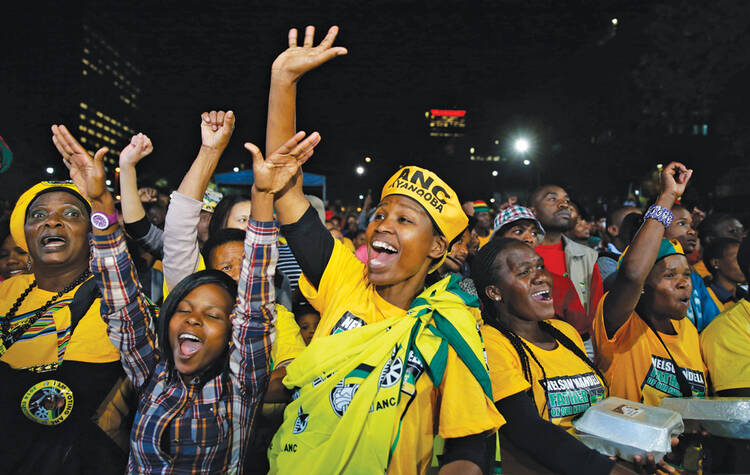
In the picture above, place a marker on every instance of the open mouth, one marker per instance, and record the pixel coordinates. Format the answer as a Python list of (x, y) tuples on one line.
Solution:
[(542, 296), (380, 254), (684, 301), (53, 242), (189, 344), (16, 272)]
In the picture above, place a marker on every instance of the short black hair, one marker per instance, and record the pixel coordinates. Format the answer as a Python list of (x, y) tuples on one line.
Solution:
[(716, 249), (222, 236), (710, 224)]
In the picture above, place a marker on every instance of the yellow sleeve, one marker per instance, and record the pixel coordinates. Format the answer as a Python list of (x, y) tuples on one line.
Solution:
[(464, 408), (724, 344), (288, 343), (342, 273), (506, 372), (607, 347), (349, 244), (89, 342)]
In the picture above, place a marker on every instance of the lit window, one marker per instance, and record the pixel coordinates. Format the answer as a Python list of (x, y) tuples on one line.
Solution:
[(83, 139), (704, 129), (83, 105), (85, 61)]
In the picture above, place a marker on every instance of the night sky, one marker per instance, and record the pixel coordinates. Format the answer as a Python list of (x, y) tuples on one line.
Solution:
[(601, 104)]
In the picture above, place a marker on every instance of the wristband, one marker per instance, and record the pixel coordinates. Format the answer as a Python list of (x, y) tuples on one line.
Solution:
[(659, 213)]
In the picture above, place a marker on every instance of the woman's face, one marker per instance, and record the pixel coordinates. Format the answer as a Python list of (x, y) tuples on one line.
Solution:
[(728, 266), (308, 323), (682, 230), (360, 239), (668, 287), (458, 254), (13, 259), (227, 258), (523, 285), (56, 229), (239, 215), (199, 329), (400, 241), (523, 230)]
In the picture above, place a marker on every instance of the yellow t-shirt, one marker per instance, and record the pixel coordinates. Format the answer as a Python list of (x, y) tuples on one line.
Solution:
[(484, 240), (49, 340), (638, 367), (572, 385), (726, 348), (346, 300), (288, 342)]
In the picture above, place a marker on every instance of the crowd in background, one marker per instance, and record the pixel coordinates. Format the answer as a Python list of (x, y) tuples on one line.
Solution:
[(190, 331)]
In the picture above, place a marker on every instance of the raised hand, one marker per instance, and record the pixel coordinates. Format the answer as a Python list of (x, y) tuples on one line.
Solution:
[(87, 172), (297, 60), (139, 146), (216, 129), (674, 179), (274, 173), (148, 194)]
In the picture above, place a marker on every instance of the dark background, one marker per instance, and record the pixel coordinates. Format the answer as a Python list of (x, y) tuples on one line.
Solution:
[(601, 104)]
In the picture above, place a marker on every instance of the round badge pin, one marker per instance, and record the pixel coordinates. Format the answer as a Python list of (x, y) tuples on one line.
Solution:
[(48, 403)]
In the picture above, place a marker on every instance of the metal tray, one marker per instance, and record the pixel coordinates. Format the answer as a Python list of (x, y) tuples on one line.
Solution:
[(616, 426), (722, 416)]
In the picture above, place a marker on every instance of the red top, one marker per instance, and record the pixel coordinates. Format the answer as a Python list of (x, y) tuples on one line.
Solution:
[(554, 257), (568, 305)]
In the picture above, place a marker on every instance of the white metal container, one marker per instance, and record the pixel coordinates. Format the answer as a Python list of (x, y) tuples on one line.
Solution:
[(622, 428), (722, 416)]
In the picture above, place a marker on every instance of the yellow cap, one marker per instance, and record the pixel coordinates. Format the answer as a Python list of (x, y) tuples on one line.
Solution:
[(18, 216), (435, 196)]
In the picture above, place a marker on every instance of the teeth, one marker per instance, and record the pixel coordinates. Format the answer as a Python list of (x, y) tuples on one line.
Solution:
[(188, 336), (384, 246)]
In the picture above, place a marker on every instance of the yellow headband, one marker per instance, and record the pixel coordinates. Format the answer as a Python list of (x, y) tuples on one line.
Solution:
[(18, 216), (435, 196)]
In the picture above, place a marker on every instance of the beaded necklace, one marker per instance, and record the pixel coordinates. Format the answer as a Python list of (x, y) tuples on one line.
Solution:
[(11, 336)]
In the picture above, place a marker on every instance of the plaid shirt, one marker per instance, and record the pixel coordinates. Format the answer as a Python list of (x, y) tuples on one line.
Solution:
[(201, 426)]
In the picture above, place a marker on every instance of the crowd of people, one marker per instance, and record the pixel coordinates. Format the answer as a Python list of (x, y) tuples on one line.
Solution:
[(190, 332)]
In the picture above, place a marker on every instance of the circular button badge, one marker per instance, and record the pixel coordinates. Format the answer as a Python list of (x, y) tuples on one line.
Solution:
[(48, 403)]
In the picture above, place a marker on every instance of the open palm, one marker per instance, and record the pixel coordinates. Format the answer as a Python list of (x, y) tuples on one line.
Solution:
[(297, 60), (87, 172), (273, 174)]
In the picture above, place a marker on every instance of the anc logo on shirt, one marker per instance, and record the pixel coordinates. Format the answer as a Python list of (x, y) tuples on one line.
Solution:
[(347, 322), (572, 395), (662, 377), (301, 423), (341, 396), (48, 403)]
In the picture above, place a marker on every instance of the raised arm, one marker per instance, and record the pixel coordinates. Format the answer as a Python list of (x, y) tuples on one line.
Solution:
[(181, 248), (124, 306), (132, 208), (255, 310), (286, 71), (641, 256), (133, 214)]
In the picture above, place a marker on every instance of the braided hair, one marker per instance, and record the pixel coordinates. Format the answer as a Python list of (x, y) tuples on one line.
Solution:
[(484, 275)]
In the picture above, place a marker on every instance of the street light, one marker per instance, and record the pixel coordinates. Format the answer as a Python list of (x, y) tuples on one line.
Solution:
[(615, 21), (495, 173), (527, 162), (50, 170), (368, 159), (108, 182), (360, 170), (521, 145), (236, 169)]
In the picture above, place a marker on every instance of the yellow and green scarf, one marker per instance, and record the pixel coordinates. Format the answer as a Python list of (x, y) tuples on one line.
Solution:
[(346, 414)]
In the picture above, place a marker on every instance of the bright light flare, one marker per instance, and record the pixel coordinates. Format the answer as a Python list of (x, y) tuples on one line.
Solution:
[(527, 162), (521, 145), (50, 170), (360, 170), (236, 169), (615, 21), (495, 173)]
